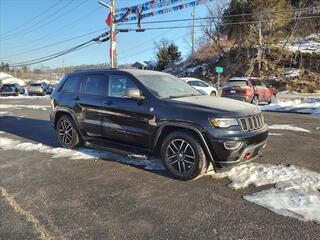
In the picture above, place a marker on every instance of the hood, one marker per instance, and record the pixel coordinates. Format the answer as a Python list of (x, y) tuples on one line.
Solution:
[(218, 105)]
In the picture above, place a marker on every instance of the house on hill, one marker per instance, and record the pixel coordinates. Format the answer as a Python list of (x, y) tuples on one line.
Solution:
[(145, 65)]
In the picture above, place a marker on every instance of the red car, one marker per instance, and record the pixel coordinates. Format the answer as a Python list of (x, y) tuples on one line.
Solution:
[(249, 89)]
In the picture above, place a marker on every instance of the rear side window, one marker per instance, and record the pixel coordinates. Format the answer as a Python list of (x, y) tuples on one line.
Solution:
[(94, 85), (193, 83), (72, 84), (236, 84)]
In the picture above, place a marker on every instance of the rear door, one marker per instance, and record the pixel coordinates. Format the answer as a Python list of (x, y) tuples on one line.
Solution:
[(126, 120), (259, 89), (267, 92), (90, 102)]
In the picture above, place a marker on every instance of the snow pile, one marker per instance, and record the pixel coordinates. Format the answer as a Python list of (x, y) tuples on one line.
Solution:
[(292, 73), (310, 105), (81, 153), (24, 96), (309, 44), (295, 194), (287, 127), (34, 107), (8, 79)]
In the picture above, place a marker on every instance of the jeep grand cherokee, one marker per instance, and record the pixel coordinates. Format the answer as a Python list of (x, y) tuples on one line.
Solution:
[(154, 113)]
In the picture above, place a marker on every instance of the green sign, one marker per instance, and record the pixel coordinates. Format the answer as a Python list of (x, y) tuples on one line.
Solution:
[(219, 69)]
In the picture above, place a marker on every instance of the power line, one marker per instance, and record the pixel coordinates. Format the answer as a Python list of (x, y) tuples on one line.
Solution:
[(76, 21), (58, 43), (47, 22), (35, 17), (101, 38), (207, 25)]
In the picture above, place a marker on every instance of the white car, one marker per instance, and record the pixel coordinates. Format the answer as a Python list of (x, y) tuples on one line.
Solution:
[(201, 85)]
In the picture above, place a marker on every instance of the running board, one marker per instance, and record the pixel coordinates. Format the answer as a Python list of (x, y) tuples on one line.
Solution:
[(116, 149)]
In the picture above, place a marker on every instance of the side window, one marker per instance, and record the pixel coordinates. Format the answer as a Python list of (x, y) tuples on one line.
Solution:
[(118, 84), (72, 84), (94, 85), (202, 84), (193, 83), (263, 84)]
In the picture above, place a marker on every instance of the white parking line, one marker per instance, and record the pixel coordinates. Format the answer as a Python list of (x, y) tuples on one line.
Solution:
[(28, 215)]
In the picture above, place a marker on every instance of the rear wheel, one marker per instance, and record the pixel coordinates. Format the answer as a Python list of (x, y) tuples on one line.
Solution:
[(213, 93), (273, 98), (67, 133), (183, 156), (255, 100)]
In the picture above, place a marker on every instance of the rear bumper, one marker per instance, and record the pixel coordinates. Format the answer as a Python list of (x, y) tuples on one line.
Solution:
[(252, 145), (240, 98)]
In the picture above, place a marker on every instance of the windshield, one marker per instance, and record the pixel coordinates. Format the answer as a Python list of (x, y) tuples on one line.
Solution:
[(236, 84), (167, 86)]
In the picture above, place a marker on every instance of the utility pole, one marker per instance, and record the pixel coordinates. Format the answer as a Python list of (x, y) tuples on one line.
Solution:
[(193, 32), (260, 43), (113, 56)]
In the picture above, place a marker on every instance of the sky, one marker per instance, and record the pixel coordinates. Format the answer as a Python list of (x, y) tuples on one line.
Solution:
[(26, 26)]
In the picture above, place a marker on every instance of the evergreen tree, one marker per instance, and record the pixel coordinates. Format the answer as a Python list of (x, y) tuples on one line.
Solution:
[(167, 54)]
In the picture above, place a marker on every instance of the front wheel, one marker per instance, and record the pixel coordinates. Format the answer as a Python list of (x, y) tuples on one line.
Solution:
[(213, 93), (67, 133), (183, 156)]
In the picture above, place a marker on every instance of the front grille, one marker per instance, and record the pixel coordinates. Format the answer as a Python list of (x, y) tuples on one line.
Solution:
[(252, 123)]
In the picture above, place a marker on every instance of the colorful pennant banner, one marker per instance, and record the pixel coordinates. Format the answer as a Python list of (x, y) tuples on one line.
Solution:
[(123, 17)]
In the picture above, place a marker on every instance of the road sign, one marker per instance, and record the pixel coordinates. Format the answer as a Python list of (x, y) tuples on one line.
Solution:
[(219, 69)]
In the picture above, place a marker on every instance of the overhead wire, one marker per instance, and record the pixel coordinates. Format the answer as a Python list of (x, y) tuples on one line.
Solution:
[(33, 18), (29, 30)]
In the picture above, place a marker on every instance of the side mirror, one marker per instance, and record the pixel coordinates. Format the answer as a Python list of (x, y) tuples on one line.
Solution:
[(134, 93)]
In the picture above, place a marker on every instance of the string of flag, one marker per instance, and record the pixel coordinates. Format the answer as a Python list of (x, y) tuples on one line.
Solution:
[(153, 4)]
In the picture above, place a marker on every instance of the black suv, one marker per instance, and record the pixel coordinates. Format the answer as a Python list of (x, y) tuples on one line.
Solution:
[(154, 113)]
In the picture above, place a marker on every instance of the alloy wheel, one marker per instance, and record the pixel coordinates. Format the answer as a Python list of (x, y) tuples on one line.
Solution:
[(65, 132), (180, 156)]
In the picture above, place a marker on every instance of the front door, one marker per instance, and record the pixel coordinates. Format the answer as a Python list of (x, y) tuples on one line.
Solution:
[(126, 120)]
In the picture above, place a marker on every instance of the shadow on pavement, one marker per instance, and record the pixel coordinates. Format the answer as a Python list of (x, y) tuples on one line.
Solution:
[(41, 131)]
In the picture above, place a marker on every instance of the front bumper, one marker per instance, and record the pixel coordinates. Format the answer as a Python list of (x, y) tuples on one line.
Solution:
[(252, 146)]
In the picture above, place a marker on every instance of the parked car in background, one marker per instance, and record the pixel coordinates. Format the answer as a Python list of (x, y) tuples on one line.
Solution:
[(19, 88), (154, 113), (9, 90), (201, 85), (249, 89), (37, 89)]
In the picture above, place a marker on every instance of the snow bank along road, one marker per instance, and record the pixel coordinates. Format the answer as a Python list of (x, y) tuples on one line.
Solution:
[(52, 193)]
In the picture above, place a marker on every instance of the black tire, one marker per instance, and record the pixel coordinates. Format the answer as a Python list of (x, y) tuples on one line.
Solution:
[(273, 98), (180, 164), (44, 93), (213, 93), (255, 100), (67, 133)]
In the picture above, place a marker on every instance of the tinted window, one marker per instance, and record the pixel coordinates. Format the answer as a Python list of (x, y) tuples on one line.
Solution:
[(236, 84), (94, 85), (256, 82), (118, 84), (72, 85), (193, 83), (202, 84), (35, 84)]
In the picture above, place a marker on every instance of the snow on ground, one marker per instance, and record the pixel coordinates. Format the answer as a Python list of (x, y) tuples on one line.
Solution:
[(295, 194), (24, 96), (287, 127), (34, 107), (309, 105), (81, 153), (275, 134), (309, 44)]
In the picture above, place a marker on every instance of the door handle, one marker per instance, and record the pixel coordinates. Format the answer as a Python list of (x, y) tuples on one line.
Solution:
[(76, 98), (107, 102)]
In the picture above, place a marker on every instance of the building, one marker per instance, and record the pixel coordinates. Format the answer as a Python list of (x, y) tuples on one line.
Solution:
[(145, 65)]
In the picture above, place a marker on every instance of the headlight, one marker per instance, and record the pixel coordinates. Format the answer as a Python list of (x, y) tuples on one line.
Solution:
[(223, 122)]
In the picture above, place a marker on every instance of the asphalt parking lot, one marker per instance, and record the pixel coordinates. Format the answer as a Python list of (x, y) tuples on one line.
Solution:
[(63, 198)]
